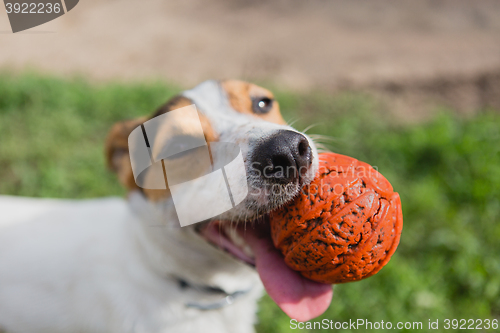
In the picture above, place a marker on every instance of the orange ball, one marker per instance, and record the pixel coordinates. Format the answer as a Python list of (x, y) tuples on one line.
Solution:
[(344, 226)]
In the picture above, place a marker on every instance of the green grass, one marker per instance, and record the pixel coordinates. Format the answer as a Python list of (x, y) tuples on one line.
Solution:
[(447, 172)]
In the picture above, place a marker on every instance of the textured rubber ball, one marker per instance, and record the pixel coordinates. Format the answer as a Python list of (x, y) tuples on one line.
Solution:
[(344, 226)]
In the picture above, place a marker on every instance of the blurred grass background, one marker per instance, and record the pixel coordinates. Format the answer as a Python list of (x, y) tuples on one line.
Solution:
[(446, 170)]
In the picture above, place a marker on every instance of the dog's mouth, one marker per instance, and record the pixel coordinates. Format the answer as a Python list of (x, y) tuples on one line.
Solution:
[(226, 236), (300, 298)]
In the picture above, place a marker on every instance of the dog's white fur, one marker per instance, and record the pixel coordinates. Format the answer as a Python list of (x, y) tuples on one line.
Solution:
[(96, 266), (116, 265)]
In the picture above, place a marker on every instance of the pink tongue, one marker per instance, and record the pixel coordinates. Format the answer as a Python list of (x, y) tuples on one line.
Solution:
[(300, 298)]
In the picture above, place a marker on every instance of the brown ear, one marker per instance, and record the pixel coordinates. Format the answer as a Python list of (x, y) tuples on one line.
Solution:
[(117, 155)]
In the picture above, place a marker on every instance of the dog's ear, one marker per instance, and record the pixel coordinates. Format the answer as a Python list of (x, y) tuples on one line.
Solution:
[(117, 154)]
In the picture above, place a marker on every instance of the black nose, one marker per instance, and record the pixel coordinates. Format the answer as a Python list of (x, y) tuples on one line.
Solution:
[(283, 157)]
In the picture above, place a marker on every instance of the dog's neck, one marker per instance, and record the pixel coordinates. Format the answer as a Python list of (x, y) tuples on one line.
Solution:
[(181, 253)]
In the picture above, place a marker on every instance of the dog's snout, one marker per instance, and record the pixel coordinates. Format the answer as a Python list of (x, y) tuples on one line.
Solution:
[(283, 157)]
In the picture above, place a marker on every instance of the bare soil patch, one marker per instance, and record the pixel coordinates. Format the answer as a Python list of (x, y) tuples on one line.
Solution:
[(417, 53)]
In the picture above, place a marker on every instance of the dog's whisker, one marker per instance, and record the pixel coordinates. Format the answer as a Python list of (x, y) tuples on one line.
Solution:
[(293, 121), (323, 150), (321, 146), (323, 137), (310, 127)]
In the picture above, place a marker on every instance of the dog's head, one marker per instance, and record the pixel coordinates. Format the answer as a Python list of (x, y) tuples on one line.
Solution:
[(278, 159)]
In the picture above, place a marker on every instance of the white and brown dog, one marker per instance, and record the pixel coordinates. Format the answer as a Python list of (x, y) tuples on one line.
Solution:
[(114, 265)]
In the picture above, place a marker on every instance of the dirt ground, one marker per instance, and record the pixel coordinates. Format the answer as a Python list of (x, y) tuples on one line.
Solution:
[(411, 53)]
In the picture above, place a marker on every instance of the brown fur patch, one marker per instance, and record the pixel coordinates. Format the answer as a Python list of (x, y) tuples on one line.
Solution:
[(240, 96), (117, 156), (181, 101)]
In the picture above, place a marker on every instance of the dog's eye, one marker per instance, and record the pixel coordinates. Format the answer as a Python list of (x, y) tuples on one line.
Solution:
[(262, 105)]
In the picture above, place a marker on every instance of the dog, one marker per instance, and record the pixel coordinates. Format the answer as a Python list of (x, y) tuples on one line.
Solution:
[(125, 265)]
